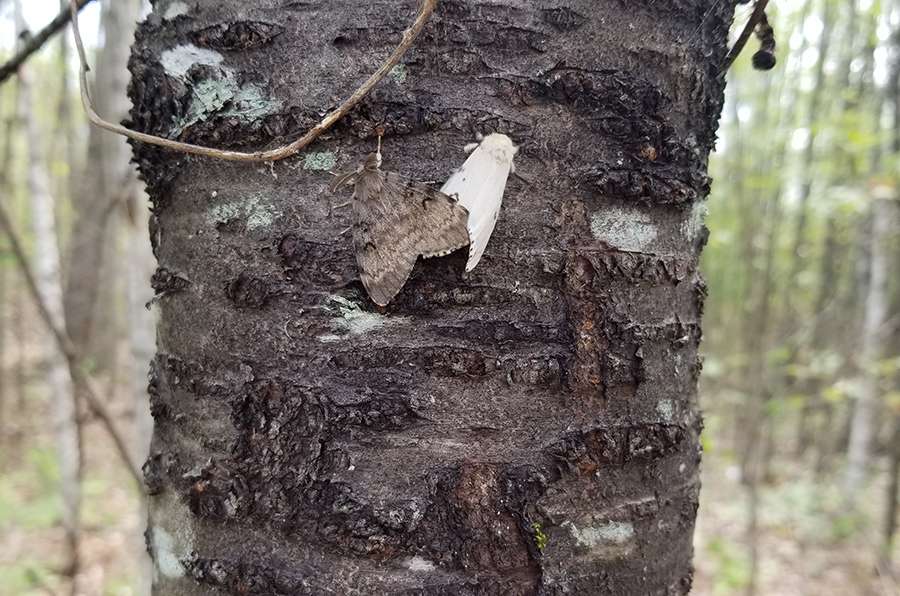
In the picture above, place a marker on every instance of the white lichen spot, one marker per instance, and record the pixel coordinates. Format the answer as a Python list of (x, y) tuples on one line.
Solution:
[(255, 212), (399, 73), (693, 221), (175, 9), (418, 563), (624, 228), (166, 554), (615, 533), (665, 409), (179, 60), (353, 320), (321, 160)]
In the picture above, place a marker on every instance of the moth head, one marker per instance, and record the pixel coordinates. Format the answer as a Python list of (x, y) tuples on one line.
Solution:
[(500, 146), (373, 162)]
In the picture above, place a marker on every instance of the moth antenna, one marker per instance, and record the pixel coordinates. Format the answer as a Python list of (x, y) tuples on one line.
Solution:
[(380, 132), (345, 232)]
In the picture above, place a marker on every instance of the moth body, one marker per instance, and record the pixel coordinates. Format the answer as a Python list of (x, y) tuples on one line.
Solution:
[(396, 220), (479, 185)]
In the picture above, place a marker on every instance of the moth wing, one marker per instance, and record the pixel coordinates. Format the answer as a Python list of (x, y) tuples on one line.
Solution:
[(479, 184), (436, 222), (396, 220)]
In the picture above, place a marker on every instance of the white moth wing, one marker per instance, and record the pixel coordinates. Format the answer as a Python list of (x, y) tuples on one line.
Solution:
[(479, 186)]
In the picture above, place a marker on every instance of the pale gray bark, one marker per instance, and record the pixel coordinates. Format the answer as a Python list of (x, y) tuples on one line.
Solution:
[(863, 424), (139, 266), (89, 285)]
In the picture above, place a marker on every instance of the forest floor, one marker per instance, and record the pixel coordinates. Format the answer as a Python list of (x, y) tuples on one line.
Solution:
[(806, 546)]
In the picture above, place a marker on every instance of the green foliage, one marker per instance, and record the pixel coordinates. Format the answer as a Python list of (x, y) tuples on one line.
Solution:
[(29, 497), (731, 565), (27, 577)]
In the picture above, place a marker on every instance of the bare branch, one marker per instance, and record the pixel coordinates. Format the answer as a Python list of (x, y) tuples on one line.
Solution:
[(81, 378), (759, 11), (35, 43), (409, 36)]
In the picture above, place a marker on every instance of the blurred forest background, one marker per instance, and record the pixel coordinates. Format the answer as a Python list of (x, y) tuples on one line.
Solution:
[(801, 383)]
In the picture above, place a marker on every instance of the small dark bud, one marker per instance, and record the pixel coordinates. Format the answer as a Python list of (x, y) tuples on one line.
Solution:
[(764, 60)]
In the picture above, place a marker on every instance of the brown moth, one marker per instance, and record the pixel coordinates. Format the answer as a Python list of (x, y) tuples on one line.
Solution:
[(396, 220)]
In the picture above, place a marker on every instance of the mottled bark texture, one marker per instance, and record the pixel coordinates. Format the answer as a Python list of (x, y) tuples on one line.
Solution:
[(529, 428)]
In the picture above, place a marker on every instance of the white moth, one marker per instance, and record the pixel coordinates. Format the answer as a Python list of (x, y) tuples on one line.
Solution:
[(479, 186)]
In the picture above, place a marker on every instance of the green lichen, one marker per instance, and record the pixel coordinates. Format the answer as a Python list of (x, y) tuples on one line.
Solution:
[(322, 161), (255, 212), (350, 319), (220, 94), (540, 539), (223, 97), (399, 73)]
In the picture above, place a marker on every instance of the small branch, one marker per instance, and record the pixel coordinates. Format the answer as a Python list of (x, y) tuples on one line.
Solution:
[(82, 379), (36, 42), (409, 36), (759, 11)]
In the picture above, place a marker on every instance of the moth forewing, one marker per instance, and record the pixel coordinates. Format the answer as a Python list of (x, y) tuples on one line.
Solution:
[(396, 220), (479, 185)]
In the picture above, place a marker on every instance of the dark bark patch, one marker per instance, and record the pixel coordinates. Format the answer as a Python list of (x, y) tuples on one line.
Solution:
[(241, 35), (586, 452), (164, 282), (564, 18), (492, 537), (248, 291), (158, 470), (216, 492), (242, 578)]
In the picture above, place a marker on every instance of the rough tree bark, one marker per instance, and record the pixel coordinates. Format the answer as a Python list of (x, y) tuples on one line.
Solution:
[(529, 428)]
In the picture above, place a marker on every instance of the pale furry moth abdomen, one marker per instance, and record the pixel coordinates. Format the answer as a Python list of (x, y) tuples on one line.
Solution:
[(479, 186), (396, 220)]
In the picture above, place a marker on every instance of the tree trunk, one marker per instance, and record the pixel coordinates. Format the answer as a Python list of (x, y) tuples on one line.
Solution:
[(47, 277), (106, 171), (863, 422), (139, 264), (529, 428)]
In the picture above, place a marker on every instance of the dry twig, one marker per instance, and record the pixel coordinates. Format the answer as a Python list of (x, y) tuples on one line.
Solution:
[(37, 41), (409, 36), (82, 379)]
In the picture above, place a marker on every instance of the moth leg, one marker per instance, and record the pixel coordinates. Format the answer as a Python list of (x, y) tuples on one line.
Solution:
[(343, 205), (471, 147), (345, 231)]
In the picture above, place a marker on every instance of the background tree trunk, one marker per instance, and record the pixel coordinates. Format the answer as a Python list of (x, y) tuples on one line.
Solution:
[(864, 423), (103, 183), (531, 427), (47, 276)]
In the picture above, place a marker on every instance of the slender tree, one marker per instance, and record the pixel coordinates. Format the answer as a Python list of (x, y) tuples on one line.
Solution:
[(529, 428), (47, 275), (103, 184)]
